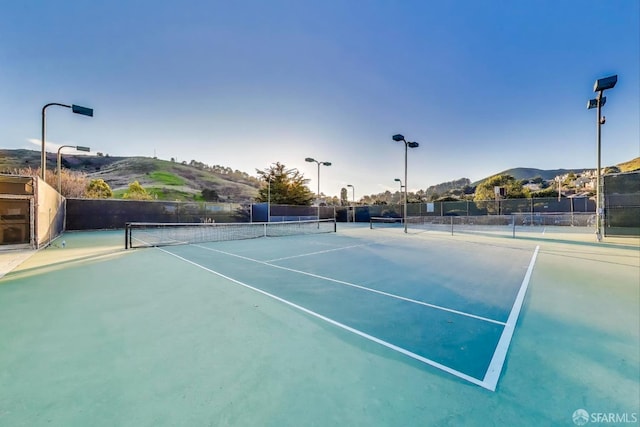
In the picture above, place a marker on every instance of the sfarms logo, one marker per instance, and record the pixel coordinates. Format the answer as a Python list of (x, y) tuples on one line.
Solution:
[(581, 417)]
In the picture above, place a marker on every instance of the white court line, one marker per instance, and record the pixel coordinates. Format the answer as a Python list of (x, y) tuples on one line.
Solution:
[(341, 325), (319, 252), (353, 285), (494, 370)]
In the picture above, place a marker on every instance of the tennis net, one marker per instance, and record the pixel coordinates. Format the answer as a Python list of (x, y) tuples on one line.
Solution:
[(149, 234)]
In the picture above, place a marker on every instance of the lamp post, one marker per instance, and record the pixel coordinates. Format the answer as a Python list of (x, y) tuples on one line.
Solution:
[(76, 109), (400, 181), (269, 198), (600, 86), (309, 159), (401, 187), (407, 145), (353, 195), (77, 147)]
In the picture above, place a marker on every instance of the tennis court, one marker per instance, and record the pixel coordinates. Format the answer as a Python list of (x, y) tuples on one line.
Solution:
[(356, 327)]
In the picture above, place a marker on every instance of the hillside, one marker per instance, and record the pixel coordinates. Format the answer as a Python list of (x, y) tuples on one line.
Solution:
[(631, 165), (549, 174), (530, 173), (165, 179)]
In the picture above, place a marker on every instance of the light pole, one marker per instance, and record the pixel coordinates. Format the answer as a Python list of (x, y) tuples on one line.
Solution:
[(77, 147), (76, 109), (353, 195), (309, 159), (600, 86), (407, 145), (269, 198), (401, 186)]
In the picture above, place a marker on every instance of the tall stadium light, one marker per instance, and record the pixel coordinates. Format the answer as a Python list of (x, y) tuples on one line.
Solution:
[(353, 195), (600, 86), (311, 160), (76, 109), (78, 148), (407, 145)]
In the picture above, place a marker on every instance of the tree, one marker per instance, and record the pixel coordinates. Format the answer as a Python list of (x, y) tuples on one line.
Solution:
[(513, 188), (611, 169), (136, 192), (288, 186), (344, 198), (210, 195), (98, 189)]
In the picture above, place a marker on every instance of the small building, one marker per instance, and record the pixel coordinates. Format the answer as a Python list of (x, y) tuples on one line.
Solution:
[(31, 212)]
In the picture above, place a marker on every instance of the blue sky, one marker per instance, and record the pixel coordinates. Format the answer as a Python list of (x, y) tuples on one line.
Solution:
[(483, 86)]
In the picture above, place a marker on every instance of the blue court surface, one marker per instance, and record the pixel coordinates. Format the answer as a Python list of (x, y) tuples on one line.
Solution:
[(452, 305)]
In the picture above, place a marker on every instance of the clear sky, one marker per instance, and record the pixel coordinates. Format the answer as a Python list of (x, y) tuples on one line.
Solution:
[(482, 86)]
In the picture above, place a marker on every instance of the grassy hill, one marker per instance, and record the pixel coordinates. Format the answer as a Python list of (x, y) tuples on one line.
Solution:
[(631, 165), (530, 173), (164, 179)]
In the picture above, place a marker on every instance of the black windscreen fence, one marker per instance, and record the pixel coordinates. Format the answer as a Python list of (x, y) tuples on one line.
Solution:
[(622, 204)]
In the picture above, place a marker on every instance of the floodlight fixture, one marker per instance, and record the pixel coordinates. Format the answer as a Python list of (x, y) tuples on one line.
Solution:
[(605, 83), (593, 103), (413, 144), (82, 110), (309, 159), (398, 137)]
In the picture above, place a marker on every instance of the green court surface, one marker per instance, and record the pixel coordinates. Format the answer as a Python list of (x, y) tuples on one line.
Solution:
[(356, 328)]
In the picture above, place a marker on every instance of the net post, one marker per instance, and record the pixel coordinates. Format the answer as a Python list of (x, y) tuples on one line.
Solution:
[(126, 235), (452, 225), (370, 223), (513, 220)]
